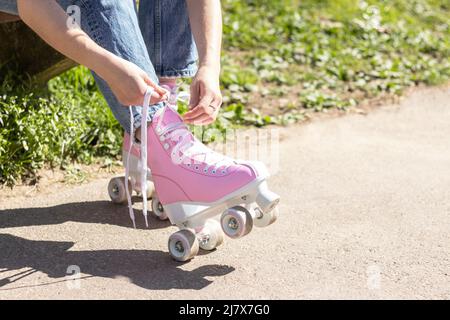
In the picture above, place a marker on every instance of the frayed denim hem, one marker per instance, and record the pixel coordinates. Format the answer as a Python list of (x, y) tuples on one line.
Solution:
[(186, 73)]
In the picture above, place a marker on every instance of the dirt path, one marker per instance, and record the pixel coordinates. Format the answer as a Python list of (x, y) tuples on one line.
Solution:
[(365, 214)]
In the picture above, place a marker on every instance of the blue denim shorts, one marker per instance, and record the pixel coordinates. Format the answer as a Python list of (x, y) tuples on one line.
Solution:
[(9, 6)]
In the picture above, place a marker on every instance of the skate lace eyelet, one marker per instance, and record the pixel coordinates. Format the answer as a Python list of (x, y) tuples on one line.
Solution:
[(223, 172), (188, 164), (214, 171), (196, 167), (205, 170)]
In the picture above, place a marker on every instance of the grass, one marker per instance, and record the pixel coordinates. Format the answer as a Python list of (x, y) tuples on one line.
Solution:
[(281, 59), (334, 54), (68, 122)]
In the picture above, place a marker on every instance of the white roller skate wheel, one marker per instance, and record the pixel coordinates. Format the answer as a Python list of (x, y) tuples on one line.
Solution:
[(211, 236), (236, 222), (116, 190), (158, 209), (262, 219), (183, 245)]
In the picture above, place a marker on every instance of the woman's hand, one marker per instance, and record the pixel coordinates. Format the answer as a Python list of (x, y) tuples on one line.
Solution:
[(129, 83), (205, 18), (206, 97)]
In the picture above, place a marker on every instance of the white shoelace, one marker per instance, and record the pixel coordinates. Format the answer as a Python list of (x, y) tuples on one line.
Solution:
[(143, 170)]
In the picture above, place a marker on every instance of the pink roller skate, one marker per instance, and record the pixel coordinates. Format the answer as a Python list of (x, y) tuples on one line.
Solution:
[(197, 187), (201, 191)]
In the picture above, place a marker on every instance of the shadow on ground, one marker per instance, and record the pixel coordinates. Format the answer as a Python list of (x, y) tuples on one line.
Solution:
[(148, 269), (103, 212)]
